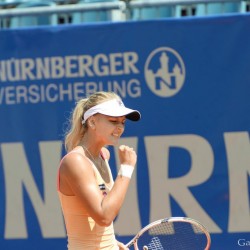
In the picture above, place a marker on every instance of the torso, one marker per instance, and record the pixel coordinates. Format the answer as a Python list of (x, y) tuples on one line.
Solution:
[(82, 231)]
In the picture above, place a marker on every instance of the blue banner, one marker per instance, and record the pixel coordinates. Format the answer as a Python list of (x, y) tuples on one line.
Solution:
[(190, 79)]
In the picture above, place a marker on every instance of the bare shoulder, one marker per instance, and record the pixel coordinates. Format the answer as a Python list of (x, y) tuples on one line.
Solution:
[(75, 171), (106, 153), (74, 161)]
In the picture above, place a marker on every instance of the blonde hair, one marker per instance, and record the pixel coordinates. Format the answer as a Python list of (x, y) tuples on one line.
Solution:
[(77, 129)]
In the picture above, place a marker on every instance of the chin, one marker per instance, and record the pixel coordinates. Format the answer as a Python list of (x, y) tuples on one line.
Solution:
[(114, 141)]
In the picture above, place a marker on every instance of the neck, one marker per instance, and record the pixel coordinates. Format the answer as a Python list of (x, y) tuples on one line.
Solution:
[(90, 152), (96, 160), (90, 146)]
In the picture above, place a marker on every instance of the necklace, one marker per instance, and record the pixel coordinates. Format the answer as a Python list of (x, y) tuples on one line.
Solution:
[(99, 166)]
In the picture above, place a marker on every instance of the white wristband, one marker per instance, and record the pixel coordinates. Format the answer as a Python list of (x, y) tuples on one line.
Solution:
[(126, 170)]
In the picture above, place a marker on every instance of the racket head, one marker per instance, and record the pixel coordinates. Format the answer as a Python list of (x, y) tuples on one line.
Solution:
[(172, 233)]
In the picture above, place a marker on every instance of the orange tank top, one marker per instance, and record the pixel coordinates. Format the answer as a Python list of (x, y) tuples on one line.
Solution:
[(82, 231)]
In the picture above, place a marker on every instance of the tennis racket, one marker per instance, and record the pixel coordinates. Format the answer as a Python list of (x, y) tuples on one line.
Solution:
[(174, 233)]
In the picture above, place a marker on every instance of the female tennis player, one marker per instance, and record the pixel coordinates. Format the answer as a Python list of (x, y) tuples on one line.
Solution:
[(89, 197)]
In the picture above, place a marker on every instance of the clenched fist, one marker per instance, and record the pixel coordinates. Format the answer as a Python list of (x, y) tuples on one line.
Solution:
[(127, 155)]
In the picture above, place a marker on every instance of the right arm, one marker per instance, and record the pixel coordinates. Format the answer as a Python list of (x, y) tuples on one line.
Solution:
[(77, 174)]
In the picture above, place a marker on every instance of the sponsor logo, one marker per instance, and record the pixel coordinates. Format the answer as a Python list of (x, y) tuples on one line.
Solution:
[(164, 72)]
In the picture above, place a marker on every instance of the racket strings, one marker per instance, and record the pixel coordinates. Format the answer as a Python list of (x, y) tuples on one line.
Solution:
[(173, 235)]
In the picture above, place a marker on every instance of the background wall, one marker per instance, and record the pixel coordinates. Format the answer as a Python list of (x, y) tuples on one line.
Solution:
[(189, 78)]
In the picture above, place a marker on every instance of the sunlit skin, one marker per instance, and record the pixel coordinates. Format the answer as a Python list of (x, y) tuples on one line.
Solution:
[(108, 129), (77, 175)]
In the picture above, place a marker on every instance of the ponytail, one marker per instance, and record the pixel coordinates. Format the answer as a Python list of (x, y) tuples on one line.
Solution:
[(77, 130)]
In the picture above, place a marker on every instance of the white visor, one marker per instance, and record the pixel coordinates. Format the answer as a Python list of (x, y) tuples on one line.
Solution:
[(113, 108)]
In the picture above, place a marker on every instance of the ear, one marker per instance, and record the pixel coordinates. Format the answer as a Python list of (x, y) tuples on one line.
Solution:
[(91, 122)]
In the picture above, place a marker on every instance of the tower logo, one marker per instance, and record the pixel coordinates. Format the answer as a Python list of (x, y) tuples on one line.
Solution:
[(164, 72)]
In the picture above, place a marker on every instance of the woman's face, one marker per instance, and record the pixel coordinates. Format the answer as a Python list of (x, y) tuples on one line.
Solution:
[(109, 129)]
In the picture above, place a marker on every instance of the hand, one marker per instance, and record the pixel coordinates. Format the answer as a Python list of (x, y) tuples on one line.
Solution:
[(127, 155), (121, 246)]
